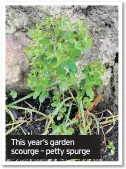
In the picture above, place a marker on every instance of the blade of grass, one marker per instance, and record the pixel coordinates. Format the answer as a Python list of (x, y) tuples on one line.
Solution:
[(68, 114), (82, 113), (88, 126)]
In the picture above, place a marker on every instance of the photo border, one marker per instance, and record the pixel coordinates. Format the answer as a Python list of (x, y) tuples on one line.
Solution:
[(64, 163)]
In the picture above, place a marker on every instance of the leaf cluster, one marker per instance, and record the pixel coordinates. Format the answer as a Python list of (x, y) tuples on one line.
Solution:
[(111, 147), (92, 78), (57, 45), (62, 129)]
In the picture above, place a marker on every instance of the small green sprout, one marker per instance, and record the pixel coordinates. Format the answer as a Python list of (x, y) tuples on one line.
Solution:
[(13, 94), (111, 147)]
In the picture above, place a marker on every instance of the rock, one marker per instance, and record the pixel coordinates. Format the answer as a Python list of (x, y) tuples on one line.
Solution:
[(115, 81), (16, 61), (24, 17), (15, 20), (103, 25)]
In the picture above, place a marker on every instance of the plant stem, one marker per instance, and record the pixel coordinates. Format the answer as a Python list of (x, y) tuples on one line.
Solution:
[(82, 113), (24, 98), (17, 122), (68, 114), (27, 109), (63, 95), (72, 95), (97, 122), (109, 121), (63, 99)]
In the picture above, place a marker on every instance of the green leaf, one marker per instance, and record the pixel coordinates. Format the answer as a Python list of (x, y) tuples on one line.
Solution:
[(38, 89), (32, 81), (52, 63), (43, 96), (62, 110), (39, 51), (35, 95), (71, 66), (78, 46), (13, 94), (63, 85), (71, 130), (89, 92), (45, 81), (40, 61), (54, 126), (54, 104), (61, 71), (60, 116), (74, 53), (29, 52), (87, 81), (82, 130), (82, 84), (87, 43), (109, 146), (63, 126), (98, 82), (60, 32), (37, 92), (56, 100), (86, 102), (26, 50), (56, 97), (62, 57), (81, 94)]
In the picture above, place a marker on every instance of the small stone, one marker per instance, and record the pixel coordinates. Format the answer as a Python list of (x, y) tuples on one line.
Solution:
[(20, 118)]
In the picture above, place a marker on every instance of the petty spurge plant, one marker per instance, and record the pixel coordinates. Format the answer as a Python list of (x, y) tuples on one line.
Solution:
[(57, 45), (53, 55)]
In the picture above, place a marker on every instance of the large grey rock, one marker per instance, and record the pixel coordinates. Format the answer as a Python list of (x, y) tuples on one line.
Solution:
[(23, 17), (103, 26)]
